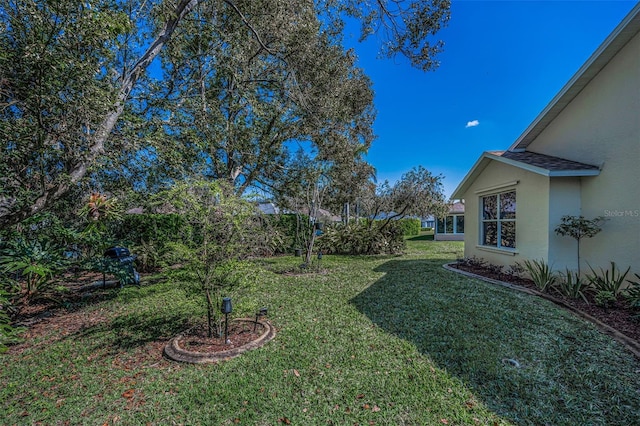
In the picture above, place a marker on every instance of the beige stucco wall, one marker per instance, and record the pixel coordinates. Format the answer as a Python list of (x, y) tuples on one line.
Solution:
[(601, 126), (532, 214), (564, 199)]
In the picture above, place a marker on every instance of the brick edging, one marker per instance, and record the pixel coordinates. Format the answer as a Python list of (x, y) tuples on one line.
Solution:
[(631, 344), (173, 350)]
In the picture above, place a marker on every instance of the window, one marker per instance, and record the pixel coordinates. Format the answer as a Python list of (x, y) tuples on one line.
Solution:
[(498, 224), (448, 228), (452, 224)]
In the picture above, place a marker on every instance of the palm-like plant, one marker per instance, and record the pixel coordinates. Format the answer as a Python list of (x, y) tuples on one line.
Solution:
[(33, 263)]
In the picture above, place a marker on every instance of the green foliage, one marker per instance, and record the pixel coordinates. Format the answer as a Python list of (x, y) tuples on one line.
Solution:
[(8, 333), (55, 93), (99, 213), (220, 232), (277, 233), (32, 264), (571, 285), (402, 334), (609, 281), (250, 77), (540, 273), (286, 231), (605, 298), (149, 255), (137, 229), (633, 292), (417, 193), (410, 226), (577, 227), (363, 238)]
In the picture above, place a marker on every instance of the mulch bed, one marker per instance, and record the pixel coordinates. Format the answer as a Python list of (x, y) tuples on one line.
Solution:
[(240, 333), (620, 316)]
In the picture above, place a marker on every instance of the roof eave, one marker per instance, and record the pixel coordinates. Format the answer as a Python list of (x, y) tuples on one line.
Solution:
[(475, 170), (486, 157), (574, 173)]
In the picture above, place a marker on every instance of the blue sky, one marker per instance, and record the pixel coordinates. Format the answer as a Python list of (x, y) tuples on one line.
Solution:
[(502, 64)]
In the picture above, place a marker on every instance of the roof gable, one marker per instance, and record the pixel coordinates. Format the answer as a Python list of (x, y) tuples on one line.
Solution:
[(518, 156), (621, 35)]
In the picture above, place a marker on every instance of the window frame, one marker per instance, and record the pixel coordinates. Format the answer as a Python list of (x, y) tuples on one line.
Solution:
[(498, 220), (453, 220)]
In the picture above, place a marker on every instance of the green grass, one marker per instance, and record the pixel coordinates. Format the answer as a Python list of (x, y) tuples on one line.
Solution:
[(389, 340)]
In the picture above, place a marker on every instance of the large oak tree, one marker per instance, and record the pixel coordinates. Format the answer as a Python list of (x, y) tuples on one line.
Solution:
[(69, 70)]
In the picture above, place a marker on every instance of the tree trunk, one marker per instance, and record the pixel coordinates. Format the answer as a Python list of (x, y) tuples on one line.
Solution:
[(210, 314)]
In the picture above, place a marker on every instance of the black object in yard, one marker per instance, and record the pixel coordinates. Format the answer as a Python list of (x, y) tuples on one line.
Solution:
[(261, 313), (119, 261), (226, 309)]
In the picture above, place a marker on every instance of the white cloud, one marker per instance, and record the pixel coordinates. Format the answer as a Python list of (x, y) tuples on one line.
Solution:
[(473, 123)]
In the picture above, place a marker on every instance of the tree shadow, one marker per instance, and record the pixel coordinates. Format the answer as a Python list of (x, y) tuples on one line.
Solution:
[(152, 321), (516, 357), (422, 237)]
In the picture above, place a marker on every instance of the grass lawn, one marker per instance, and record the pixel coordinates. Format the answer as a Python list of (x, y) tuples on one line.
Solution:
[(379, 340)]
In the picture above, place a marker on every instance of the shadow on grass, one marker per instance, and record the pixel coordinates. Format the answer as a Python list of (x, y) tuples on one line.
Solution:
[(422, 237), (526, 360), (150, 316)]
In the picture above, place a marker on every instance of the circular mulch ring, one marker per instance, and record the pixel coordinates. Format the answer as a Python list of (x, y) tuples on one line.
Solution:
[(194, 347)]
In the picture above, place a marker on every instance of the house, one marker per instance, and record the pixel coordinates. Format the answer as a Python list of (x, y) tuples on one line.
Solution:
[(451, 227), (267, 207), (580, 156), (428, 222)]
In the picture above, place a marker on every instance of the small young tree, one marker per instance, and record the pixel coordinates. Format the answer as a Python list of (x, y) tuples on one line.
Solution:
[(215, 240), (578, 227)]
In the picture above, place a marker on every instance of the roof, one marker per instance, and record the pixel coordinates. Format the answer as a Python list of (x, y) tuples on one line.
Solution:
[(541, 164), (621, 35), (268, 208), (555, 166), (457, 207)]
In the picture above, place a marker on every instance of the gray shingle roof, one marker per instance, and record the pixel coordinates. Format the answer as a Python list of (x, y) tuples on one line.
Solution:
[(547, 162)]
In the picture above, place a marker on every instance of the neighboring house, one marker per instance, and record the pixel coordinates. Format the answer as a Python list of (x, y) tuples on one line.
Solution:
[(580, 156), (267, 207), (451, 227), (428, 222)]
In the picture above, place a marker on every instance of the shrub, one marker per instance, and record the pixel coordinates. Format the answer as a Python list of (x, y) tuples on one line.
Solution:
[(541, 274), (410, 226), (219, 238), (32, 264), (609, 280), (605, 298), (571, 285), (515, 270), (633, 292), (136, 229), (149, 255), (473, 262), (288, 230), (362, 238)]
